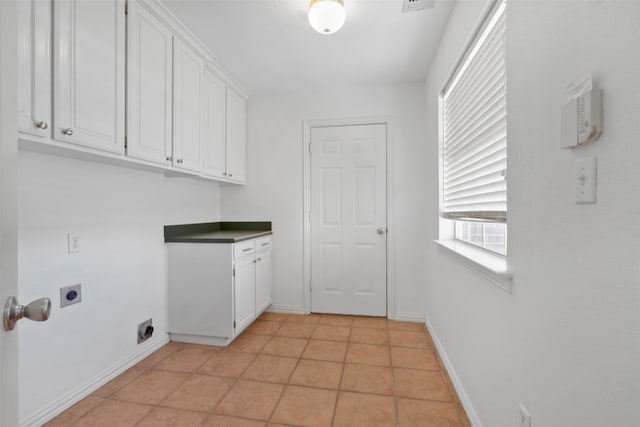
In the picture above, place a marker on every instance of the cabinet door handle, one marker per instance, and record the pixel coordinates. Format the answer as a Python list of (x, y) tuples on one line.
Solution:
[(259, 259), (42, 125), (254, 261), (67, 131), (265, 244), (180, 161), (169, 158), (224, 174), (247, 250)]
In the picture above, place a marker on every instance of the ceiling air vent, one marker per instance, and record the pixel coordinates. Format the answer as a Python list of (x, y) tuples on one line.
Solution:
[(415, 5)]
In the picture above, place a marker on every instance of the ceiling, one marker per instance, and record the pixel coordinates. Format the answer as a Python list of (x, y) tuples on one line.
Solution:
[(269, 46)]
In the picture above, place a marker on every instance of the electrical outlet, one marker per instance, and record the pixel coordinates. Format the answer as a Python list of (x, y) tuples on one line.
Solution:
[(145, 330), (73, 243), (70, 295), (525, 418)]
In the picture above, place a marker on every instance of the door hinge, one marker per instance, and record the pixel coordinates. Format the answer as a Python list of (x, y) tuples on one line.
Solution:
[(234, 272), (309, 216), (126, 143), (234, 324), (126, 7), (309, 147)]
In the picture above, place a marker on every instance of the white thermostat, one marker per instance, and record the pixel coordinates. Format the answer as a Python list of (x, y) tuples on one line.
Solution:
[(582, 115)]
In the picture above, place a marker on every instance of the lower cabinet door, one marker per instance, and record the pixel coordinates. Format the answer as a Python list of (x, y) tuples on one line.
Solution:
[(263, 281), (244, 293)]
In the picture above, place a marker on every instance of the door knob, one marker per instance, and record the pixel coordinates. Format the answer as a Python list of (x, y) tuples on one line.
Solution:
[(380, 231), (42, 125), (38, 310), (67, 131)]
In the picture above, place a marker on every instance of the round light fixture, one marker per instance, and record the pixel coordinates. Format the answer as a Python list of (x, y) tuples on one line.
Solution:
[(326, 16)]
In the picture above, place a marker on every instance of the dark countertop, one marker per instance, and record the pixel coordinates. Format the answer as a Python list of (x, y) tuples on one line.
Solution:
[(216, 232)]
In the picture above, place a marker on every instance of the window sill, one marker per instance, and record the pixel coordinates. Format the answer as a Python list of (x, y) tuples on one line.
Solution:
[(490, 266)]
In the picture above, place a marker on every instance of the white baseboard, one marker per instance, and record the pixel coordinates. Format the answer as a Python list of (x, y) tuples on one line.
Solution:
[(409, 317), (462, 394), (74, 396), (289, 309), (294, 309)]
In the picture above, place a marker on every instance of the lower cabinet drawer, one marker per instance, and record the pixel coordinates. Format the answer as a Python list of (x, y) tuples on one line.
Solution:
[(263, 243), (243, 249)]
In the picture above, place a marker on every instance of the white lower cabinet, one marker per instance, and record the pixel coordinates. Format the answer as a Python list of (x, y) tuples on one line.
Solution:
[(244, 281), (263, 274), (216, 290)]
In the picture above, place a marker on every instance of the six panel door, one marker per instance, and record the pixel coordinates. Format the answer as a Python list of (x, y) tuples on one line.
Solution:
[(348, 220)]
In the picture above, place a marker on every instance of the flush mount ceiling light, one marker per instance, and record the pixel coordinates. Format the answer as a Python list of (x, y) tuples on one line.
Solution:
[(326, 16)]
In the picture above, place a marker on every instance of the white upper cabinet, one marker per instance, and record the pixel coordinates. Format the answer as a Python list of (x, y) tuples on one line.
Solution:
[(236, 136), (214, 126), (183, 115), (149, 86), (188, 72), (34, 67), (89, 73)]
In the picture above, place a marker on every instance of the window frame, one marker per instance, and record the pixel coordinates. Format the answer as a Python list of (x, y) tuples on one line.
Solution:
[(490, 264)]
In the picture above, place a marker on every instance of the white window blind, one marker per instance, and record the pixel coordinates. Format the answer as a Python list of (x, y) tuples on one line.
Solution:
[(475, 128)]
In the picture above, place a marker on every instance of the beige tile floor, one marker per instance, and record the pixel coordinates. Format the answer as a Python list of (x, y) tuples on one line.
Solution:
[(285, 370)]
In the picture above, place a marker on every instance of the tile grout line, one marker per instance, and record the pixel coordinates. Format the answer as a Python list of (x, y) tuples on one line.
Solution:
[(109, 398), (393, 381), (187, 376), (344, 361), (255, 353), (235, 381), (284, 389)]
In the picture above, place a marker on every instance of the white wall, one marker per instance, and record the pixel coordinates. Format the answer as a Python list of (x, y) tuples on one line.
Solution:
[(566, 342), (119, 214), (274, 189)]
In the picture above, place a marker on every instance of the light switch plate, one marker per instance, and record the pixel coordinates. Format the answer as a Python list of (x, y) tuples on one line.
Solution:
[(73, 243), (586, 179)]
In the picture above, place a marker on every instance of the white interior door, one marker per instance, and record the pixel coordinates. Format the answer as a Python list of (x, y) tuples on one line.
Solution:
[(348, 220), (8, 208)]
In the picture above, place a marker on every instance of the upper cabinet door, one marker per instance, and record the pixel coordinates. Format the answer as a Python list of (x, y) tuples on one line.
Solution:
[(34, 67), (214, 127), (89, 73), (149, 89), (236, 136), (188, 71)]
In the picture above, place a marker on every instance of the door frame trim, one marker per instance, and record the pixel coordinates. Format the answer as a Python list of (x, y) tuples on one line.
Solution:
[(356, 121)]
